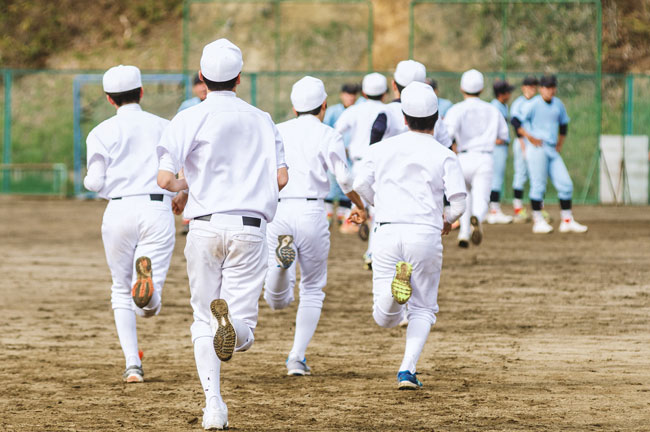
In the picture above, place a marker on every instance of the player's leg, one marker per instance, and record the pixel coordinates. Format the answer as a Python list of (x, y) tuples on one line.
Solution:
[(280, 281), (313, 248), (387, 312), (495, 215), (537, 163), (119, 235), (519, 182), (468, 166), (422, 248), (204, 254), (157, 236), (564, 186), (481, 184)]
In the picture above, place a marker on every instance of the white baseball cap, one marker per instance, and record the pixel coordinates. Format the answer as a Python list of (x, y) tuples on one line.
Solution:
[(121, 78), (374, 84), (408, 71), (307, 94), (221, 61), (471, 81), (419, 100)]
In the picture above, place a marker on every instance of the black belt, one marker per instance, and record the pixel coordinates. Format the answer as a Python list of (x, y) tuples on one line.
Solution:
[(246, 220), (473, 151), (308, 199), (153, 197), (384, 223)]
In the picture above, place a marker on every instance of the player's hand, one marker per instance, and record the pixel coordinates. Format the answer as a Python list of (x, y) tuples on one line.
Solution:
[(179, 202), (357, 216), (446, 228), (535, 141), (558, 148)]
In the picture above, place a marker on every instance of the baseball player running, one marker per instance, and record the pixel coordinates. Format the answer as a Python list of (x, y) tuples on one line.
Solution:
[(405, 177), (545, 123), (233, 160), (138, 225), (300, 230), (476, 127), (502, 92)]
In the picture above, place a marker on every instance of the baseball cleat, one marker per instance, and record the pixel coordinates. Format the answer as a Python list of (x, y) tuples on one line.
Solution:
[(143, 288), (364, 231), (285, 255), (547, 217), (407, 381), (571, 225), (367, 262), (215, 418), (133, 374), (542, 227), (401, 285), (225, 338), (521, 216), (498, 218), (477, 230), (297, 367), (463, 242)]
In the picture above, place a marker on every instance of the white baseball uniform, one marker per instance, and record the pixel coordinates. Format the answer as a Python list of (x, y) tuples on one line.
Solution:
[(138, 221), (311, 149), (357, 120), (475, 125), (396, 125), (405, 178)]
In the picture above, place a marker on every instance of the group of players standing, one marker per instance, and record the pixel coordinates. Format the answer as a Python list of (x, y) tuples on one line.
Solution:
[(254, 194)]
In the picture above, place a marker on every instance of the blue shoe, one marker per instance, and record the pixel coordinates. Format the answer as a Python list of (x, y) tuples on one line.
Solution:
[(407, 381), (297, 367)]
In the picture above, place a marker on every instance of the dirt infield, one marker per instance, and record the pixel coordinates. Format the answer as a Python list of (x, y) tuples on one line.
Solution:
[(534, 333)]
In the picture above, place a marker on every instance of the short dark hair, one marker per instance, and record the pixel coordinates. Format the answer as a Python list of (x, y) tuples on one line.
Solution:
[(196, 80), (421, 123), (477, 94), (350, 88), (530, 81), (376, 97), (126, 97), (314, 112), (221, 85), (433, 83), (501, 87), (548, 81), (400, 87)]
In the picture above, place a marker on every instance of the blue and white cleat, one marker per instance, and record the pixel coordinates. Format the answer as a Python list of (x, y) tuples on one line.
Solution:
[(297, 367), (407, 381)]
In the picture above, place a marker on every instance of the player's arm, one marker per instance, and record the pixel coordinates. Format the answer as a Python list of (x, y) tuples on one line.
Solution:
[(441, 135), (363, 185), (455, 191), (502, 132), (564, 130), (283, 169), (337, 164), (96, 168), (521, 132), (171, 156)]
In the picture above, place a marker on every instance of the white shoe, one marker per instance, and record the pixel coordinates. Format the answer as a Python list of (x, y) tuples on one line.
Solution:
[(542, 227), (215, 417), (498, 218), (572, 226)]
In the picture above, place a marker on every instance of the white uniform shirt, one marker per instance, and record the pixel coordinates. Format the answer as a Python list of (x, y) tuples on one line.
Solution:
[(311, 149), (357, 120), (230, 152), (121, 154), (476, 125), (395, 124), (406, 177)]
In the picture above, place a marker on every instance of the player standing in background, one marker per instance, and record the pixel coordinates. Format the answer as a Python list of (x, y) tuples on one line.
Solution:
[(476, 126), (545, 123), (300, 230), (443, 104), (358, 120), (528, 90), (138, 225), (349, 96), (502, 92), (234, 166), (405, 177)]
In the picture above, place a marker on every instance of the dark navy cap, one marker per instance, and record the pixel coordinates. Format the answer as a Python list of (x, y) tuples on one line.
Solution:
[(530, 81), (548, 81)]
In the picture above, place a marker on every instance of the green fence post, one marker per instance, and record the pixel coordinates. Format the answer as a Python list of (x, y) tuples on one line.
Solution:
[(186, 46), (6, 147), (629, 104), (371, 28), (411, 28), (254, 89), (504, 43)]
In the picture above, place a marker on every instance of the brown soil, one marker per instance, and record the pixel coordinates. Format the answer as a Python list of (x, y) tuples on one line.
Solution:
[(534, 333)]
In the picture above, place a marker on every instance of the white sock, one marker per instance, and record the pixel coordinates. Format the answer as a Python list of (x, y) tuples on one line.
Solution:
[(128, 334), (566, 215), (208, 366), (306, 323), (517, 204), (495, 207), (244, 335), (417, 333), (537, 216)]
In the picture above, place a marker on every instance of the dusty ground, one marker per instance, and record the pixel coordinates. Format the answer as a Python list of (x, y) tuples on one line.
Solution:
[(535, 333)]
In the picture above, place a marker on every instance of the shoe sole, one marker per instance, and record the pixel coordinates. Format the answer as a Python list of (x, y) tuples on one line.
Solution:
[(284, 254), (477, 234), (364, 231), (143, 288), (297, 372), (134, 379), (407, 385), (400, 287), (225, 338)]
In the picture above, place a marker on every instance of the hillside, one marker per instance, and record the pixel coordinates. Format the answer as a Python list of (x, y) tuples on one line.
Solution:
[(95, 35)]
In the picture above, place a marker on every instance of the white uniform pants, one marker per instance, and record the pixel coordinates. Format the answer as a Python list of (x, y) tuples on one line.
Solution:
[(477, 170), (133, 227), (306, 221), (226, 260), (419, 245)]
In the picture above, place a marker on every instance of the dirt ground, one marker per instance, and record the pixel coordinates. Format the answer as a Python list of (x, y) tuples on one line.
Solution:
[(534, 333)]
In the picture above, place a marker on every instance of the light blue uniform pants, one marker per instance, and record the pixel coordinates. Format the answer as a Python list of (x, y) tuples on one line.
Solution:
[(500, 156), (545, 162), (521, 171)]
